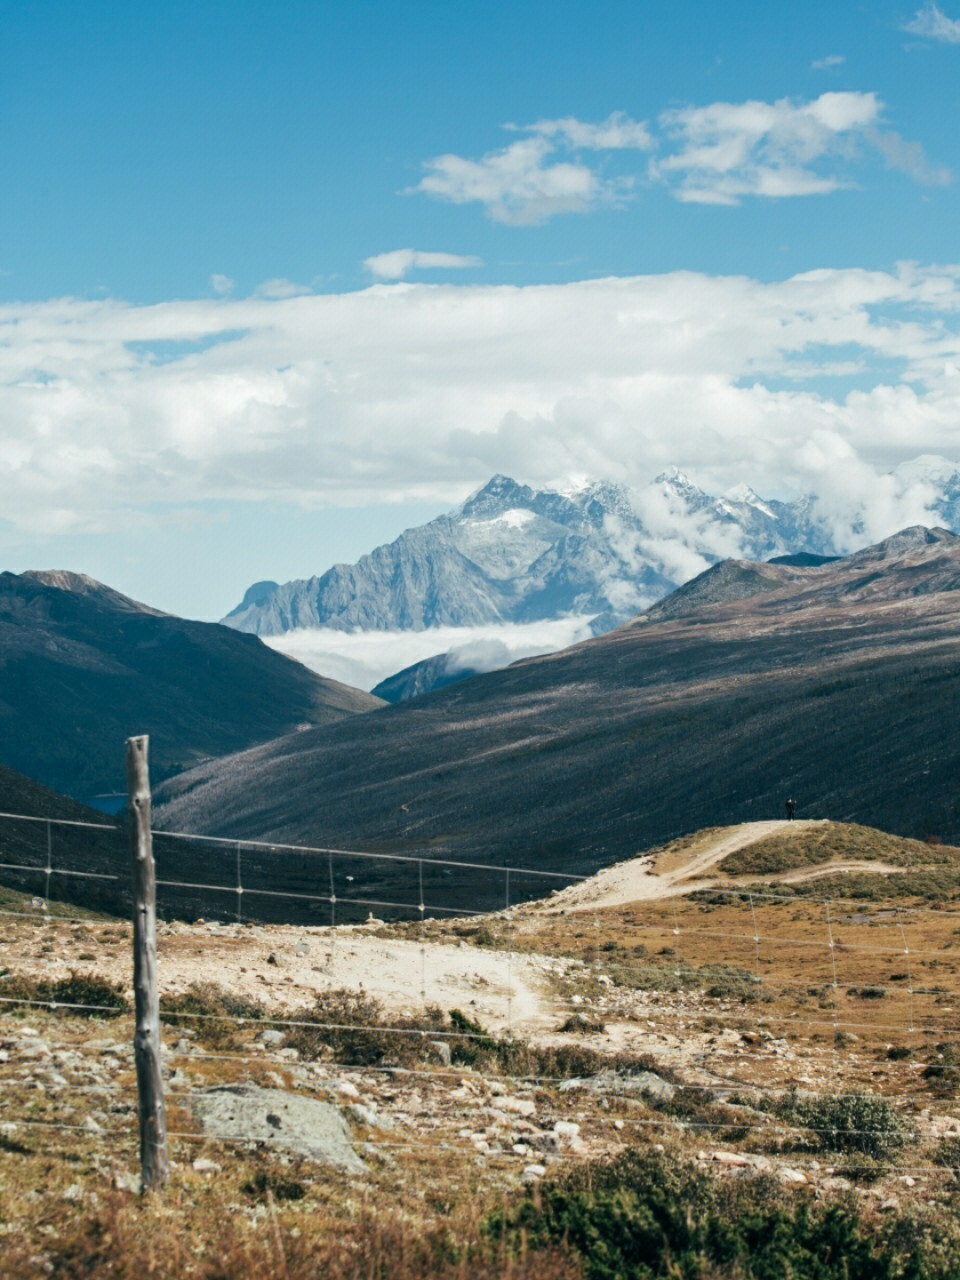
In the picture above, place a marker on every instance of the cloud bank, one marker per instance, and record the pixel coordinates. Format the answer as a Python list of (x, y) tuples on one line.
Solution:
[(364, 658), (116, 414), (715, 154)]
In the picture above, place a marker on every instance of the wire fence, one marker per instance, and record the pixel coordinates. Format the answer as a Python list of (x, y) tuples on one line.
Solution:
[(704, 1016)]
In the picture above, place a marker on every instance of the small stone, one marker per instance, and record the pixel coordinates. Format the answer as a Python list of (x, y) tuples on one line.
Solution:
[(272, 1037), (534, 1171), (792, 1177), (567, 1134), (345, 1088), (517, 1106), (366, 1115), (203, 1165), (443, 1051)]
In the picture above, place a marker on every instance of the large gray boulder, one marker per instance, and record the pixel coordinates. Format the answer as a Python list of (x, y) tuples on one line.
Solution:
[(274, 1118)]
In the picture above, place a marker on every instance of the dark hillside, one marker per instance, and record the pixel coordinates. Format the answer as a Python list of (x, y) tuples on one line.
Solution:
[(82, 668), (25, 846)]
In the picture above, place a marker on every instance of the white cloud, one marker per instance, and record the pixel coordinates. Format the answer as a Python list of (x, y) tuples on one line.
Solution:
[(933, 23), (364, 658), (910, 158), (828, 63), (726, 151), (618, 132), (413, 392), (280, 288), (517, 185), (398, 263), (714, 154), (220, 283)]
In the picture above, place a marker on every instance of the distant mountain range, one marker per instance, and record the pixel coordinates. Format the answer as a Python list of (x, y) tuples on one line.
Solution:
[(83, 667), (837, 683), (511, 553)]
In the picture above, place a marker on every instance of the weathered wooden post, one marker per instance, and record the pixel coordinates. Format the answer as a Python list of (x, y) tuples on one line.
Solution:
[(154, 1157)]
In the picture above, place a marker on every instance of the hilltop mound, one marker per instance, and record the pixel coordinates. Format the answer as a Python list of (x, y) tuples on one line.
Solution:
[(789, 855)]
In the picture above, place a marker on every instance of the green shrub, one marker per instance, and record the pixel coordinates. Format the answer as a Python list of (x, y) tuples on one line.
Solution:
[(649, 1217), (353, 1028), (860, 1123)]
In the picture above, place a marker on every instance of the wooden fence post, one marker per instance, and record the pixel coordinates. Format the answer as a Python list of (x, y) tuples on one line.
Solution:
[(154, 1157)]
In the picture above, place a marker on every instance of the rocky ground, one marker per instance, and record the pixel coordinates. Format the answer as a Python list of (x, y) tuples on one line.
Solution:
[(467, 1058)]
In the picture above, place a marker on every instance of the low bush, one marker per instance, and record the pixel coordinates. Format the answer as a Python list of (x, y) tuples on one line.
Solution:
[(213, 1013), (859, 1123), (648, 1217), (83, 995)]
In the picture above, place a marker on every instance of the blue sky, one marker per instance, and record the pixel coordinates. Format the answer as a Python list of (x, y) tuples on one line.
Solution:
[(202, 196)]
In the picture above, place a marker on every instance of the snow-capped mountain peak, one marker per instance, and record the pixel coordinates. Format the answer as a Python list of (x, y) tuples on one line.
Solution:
[(511, 553), (743, 495)]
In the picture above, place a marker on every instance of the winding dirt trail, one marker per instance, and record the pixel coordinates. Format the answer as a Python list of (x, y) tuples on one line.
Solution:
[(637, 881)]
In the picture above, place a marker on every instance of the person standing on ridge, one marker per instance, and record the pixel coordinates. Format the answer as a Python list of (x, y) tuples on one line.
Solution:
[(790, 807)]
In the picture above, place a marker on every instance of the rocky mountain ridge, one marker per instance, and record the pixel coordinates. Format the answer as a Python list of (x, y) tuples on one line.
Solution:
[(511, 553)]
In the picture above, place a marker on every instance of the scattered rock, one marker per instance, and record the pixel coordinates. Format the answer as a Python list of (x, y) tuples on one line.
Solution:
[(517, 1106), (203, 1165), (272, 1037), (346, 1088), (618, 1084), (533, 1172), (567, 1134), (368, 1116)]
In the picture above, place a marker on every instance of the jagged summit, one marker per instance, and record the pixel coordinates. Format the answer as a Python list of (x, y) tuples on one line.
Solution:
[(513, 553), (836, 683)]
